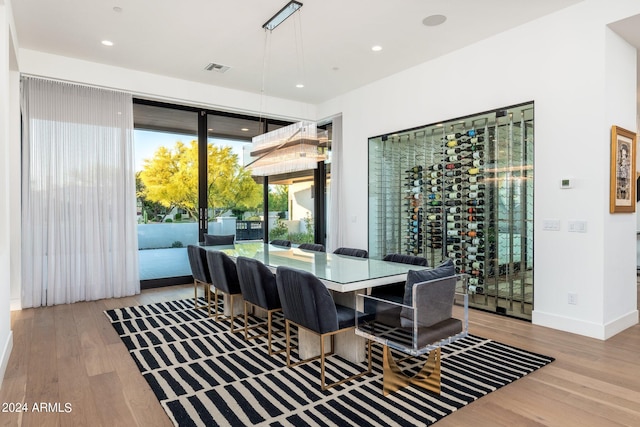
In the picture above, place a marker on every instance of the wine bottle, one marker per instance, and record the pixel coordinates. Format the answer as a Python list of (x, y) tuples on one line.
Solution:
[(414, 176), (475, 289), (453, 217), (450, 173), (475, 202), (471, 249), (451, 225), (475, 218), (455, 187), (454, 210), (453, 165), (475, 210), (454, 232), (435, 174), (436, 166), (475, 132), (475, 195), (413, 223), (453, 136), (434, 210), (454, 255), (453, 202), (436, 181), (435, 189), (474, 257), (434, 217), (435, 246), (474, 233), (452, 143), (453, 151), (453, 247), (478, 154), (433, 196), (473, 171), (477, 265), (413, 183), (415, 169), (454, 195), (477, 163), (476, 187), (415, 196), (475, 226)]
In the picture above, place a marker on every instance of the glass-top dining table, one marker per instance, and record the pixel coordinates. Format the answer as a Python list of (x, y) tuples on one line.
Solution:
[(340, 273), (344, 275)]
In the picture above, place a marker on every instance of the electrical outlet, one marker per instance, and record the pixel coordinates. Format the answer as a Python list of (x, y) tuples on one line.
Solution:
[(573, 298)]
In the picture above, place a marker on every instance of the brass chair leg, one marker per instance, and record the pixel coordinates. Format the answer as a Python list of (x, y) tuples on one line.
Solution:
[(322, 356), (394, 379)]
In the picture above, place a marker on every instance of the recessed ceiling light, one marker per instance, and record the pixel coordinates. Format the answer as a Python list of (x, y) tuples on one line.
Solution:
[(376, 48), (245, 129), (299, 85), (434, 20), (117, 9), (107, 42)]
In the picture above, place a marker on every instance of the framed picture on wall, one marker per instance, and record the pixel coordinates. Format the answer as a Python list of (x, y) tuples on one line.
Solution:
[(623, 171)]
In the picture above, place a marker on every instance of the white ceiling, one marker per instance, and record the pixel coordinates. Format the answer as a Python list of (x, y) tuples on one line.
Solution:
[(179, 38)]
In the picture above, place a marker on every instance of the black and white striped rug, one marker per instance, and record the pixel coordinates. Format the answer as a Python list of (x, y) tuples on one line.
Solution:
[(203, 375)]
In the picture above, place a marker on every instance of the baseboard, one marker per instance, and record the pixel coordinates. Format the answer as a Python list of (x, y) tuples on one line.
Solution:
[(620, 324), (585, 328), (15, 304), (6, 353)]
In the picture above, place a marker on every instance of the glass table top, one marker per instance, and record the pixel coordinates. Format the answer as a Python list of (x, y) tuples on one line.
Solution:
[(346, 272)]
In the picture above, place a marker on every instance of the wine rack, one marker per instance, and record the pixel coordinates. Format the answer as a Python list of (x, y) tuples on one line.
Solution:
[(414, 187), (463, 190)]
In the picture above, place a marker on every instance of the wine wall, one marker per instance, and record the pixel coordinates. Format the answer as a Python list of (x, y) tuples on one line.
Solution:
[(463, 190)]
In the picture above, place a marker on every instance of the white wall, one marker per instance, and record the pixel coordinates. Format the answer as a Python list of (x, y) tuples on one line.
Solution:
[(158, 87), (569, 64), (7, 61)]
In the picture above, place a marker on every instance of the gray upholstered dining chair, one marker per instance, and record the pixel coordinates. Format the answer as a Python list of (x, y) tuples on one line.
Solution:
[(200, 272), (219, 239), (423, 323), (259, 289), (224, 277), (285, 243), (307, 304), (316, 247), (359, 253), (395, 291)]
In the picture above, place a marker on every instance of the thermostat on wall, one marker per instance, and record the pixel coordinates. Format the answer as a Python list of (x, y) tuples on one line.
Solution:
[(565, 183)]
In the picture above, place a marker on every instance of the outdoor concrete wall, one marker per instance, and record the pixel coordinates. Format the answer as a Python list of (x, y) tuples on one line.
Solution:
[(153, 236)]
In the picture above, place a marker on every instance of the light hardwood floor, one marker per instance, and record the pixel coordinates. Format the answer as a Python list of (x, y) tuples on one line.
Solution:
[(71, 354)]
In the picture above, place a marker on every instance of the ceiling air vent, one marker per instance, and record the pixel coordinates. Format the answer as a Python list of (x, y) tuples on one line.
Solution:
[(216, 67)]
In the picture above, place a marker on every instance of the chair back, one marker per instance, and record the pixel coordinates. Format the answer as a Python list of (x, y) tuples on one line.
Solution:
[(198, 262), (317, 247), (360, 253), (432, 303), (406, 259), (285, 243), (306, 300), (219, 240), (257, 283), (224, 274)]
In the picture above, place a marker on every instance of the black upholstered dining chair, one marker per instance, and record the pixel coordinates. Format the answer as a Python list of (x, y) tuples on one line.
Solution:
[(307, 304), (200, 272), (359, 253), (259, 289), (224, 277), (316, 247), (219, 240), (285, 243)]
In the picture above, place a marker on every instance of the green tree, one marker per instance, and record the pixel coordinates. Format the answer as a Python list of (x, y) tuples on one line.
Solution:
[(278, 198), (153, 210), (170, 178)]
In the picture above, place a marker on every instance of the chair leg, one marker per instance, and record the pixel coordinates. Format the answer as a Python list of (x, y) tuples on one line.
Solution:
[(394, 379)]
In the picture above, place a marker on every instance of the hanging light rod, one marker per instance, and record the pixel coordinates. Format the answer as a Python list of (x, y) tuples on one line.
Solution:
[(282, 15)]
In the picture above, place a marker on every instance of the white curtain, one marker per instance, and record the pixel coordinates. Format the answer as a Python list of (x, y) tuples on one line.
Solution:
[(335, 238), (79, 229)]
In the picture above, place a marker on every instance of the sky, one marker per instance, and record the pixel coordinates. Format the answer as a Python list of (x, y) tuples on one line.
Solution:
[(147, 142)]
